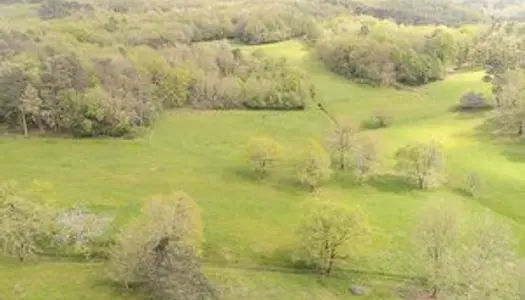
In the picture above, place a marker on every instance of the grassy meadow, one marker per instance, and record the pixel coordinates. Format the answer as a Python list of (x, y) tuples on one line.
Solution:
[(249, 225)]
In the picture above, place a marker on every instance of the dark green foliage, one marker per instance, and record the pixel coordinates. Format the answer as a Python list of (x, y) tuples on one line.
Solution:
[(13, 42), (272, 24), (414, 12), (380, 119), (56, 9), (372, 59)]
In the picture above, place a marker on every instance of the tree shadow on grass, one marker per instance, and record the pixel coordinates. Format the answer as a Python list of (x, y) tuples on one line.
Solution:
[(390, 183), (242, 173), (118, 290), (466, 114), (280, 181), (490, 133), (515, 152)]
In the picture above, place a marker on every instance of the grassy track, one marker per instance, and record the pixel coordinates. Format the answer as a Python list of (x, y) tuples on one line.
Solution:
[(252, 223)]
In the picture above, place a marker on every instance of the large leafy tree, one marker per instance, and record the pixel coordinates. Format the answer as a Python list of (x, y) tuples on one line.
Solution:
[(159, 251), (26, 225), (330, 234), (422, 163)]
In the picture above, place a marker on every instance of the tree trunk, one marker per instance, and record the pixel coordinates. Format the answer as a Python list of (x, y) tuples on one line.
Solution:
[(421, 182), (330, 264), (24, 123), (434, 292), (40, 125)]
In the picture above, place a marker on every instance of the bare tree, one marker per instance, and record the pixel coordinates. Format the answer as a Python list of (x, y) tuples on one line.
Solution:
[(341, 142), (464, 256), (331, 233), (365, 157), (437, 244), (421, 162), (490, 266)]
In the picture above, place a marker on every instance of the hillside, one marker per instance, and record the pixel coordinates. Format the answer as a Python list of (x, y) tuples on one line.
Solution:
[(185, 144), (250, 223)]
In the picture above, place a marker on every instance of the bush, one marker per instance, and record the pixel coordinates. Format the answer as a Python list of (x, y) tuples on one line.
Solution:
[(473, 101), (473, 184), (378, 120), (80, 231)]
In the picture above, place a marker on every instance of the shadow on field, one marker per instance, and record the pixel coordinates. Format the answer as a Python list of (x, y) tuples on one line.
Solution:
[(390, 183), (491, 133), (469, 114), (280, 181), (242, 173), (116, 289), (460, 191)]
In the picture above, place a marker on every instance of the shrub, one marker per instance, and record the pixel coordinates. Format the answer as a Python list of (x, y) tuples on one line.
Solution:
[(378, 120), (473, 184), (473, 101), (81, 231)]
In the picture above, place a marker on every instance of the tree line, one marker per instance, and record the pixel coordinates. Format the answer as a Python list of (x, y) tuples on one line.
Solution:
[(348, 149), (383, 53), (50, 89)]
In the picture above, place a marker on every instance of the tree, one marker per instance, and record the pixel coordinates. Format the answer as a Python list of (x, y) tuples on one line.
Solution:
[(490, 266), (437, 245), (365, 157), (421, 163), (331, 233), (30, 105), (463, 256), (25, 224), (341, 142), (510, 91), (314, 167), (263, 154), (159, 251)]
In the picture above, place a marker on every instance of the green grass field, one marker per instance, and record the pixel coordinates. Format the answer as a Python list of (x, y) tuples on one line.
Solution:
[(249, 226)]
